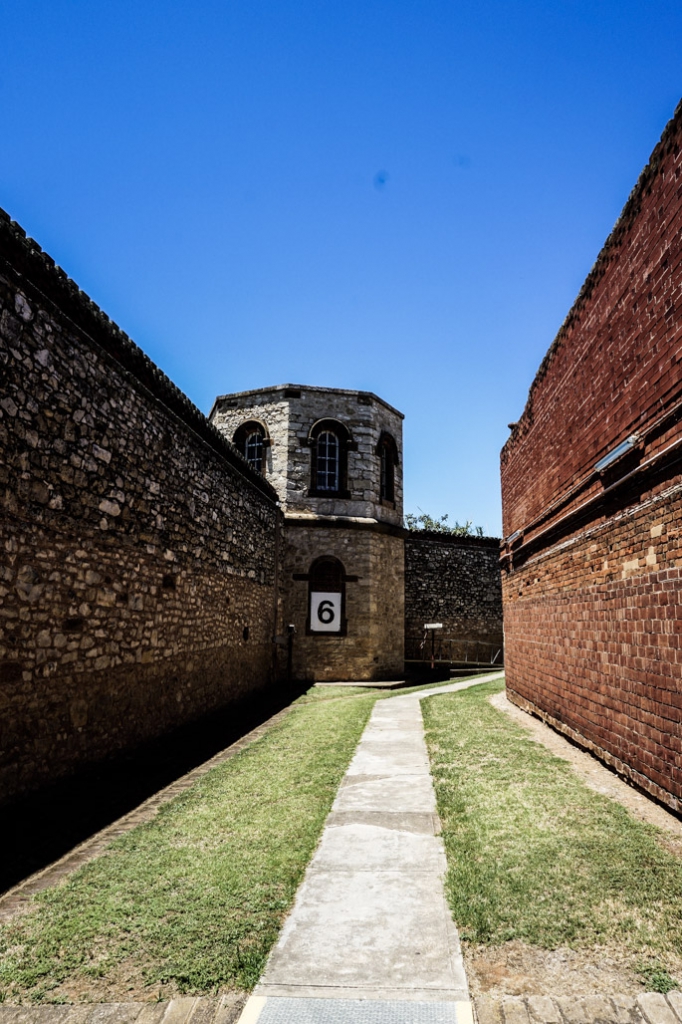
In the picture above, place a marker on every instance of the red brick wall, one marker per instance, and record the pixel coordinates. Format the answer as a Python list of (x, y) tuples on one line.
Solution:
[(592, 563), (617, 360)]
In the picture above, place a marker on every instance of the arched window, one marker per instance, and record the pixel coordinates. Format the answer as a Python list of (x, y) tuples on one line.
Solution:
[(329, 443), (387, 450), (327, 461), (327, 596), (251, 439)]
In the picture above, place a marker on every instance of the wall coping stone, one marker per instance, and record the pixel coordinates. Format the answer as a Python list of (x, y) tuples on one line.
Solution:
[(317, 521), (456, 541), (278, 391)]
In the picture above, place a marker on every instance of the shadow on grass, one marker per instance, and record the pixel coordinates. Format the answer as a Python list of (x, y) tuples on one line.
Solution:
[(41, 827)]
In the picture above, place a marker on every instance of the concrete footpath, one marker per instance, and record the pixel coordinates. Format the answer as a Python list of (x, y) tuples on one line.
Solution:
[(370, 939)]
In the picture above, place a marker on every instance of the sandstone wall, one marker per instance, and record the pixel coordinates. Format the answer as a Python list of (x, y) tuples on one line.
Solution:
[(289, 412), (456, 581), (271, 409), (372, 647), (138, 549), (592, 554)]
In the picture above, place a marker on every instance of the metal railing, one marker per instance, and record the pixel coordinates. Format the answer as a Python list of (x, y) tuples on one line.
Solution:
[(450, 650)]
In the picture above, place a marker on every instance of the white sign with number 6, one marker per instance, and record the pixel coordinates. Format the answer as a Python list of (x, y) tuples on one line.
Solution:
[(325, 613)]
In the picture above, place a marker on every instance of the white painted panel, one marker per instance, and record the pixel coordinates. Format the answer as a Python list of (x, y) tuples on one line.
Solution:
[(325, 612)]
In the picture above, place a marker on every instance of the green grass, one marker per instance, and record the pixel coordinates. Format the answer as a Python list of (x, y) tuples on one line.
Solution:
[(195, 898), (533, 853), (656, 978), (317, 693)]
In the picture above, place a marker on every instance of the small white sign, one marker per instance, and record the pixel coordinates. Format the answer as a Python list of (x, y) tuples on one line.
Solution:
[(433, 625), (325, 613)]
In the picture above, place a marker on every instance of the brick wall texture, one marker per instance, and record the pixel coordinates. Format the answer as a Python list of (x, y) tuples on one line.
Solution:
[(592, 557), (137, 557), (456, 581)]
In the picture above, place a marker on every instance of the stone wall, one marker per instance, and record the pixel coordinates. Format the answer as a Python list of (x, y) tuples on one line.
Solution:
[(138, 548), (592, 499), (359, 528), (289, 412), (372, 647), (271, 410), (456, 581)]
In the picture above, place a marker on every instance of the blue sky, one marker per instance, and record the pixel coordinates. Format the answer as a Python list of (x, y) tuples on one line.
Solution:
[(402, 197)]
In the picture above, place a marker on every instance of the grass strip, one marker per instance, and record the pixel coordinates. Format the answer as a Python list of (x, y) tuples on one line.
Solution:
[(533, 853), (195, 898)]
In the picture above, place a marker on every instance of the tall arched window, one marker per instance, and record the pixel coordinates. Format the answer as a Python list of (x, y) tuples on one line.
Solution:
[(327, 592), (329, 442), (327, 461), (387, 450), (251, 439)]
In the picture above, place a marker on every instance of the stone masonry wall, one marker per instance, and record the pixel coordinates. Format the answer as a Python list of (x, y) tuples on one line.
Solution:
[(137, 548), (592, 555), (272, 411), (456, 581), (373, 645), (289, 412)]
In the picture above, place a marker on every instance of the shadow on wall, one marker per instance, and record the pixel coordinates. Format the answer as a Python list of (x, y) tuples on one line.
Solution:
[(40, 828)]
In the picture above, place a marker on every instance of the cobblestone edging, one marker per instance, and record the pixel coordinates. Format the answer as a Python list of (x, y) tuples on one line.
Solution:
[(184, 1010), (18, 899), (648, 1008)]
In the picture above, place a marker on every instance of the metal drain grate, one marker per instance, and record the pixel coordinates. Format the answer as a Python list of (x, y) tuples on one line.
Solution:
[(279, 1010)]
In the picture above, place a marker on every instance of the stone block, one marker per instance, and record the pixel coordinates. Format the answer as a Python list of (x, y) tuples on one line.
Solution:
[(514, 1011), (543, 1010), (655, 1008), (675, 1002), (487, 1010)]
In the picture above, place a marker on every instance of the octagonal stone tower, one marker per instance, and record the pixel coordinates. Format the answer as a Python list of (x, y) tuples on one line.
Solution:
[(335, 458)]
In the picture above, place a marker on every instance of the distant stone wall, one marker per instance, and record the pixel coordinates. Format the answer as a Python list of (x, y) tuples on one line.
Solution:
[(456, 581), (137, 550)]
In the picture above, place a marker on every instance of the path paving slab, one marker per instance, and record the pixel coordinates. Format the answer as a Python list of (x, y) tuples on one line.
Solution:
[(370, 939), (352, 1011)]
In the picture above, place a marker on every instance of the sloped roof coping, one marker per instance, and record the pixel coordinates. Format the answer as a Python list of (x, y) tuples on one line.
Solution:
[(307, 387)]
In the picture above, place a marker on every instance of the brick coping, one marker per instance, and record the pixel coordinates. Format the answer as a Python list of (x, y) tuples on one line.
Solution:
[(647, 1008), (223, 1009)]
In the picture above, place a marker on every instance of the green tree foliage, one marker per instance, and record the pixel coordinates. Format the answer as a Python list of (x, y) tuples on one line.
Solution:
[(428, 523)]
